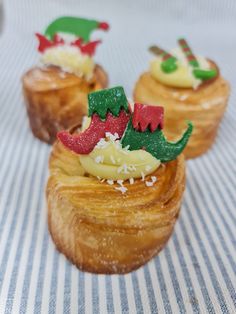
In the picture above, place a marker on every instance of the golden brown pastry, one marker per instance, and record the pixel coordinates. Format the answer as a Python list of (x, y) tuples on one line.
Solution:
[(56, 91), (99, 229), (186, 98), (56, 100), (113, 206)]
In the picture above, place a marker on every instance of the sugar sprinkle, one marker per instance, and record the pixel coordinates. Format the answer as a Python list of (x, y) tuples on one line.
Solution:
[(99, 159), (122, 189)]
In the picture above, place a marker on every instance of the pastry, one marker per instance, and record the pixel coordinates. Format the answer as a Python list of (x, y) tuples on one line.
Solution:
[(188, 87), (115, 187), (56, 91)]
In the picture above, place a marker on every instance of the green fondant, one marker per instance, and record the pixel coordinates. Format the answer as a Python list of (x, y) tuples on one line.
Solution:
[(73, 25), (112, 99), (194, 63), (169, 65), (204, 74), (155, 142)]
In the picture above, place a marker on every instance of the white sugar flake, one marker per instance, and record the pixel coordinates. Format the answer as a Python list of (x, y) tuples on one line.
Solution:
[(122, 189), (131, 180), (113, 159), (110, 182), (99, 159), (148, 168), (143, 176), (154, 179)]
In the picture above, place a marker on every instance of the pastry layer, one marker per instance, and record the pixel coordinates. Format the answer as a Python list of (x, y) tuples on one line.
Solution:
[(205, 107), (103, 231), (57, 100)]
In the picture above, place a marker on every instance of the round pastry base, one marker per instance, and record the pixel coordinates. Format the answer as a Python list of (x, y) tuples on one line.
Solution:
[(205, 107), (101, 268), (56, 100), (101, 230)]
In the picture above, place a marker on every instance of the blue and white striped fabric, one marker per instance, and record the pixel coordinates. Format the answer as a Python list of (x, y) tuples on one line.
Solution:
[(196, 270)]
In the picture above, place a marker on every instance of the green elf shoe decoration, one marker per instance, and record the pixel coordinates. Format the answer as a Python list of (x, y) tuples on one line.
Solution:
[(144, 132), (79, 27), (110, 113)]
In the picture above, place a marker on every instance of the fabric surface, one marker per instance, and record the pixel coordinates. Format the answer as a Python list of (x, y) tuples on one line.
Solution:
[(196, 270)]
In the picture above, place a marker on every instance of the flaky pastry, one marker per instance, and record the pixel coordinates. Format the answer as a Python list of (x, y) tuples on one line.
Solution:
[(99, 229), (56, 100), (185, 96), (205, 107), (115, 186), (56, 90)]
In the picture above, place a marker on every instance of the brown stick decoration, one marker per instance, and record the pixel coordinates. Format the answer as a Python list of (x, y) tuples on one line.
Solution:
[(188, 53), (168, 64)]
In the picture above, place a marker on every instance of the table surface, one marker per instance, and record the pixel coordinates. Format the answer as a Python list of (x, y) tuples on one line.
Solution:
[(196, 270)]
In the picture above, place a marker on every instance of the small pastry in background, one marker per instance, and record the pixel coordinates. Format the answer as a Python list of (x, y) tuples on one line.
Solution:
[(115, 187), (189, 88), (56, 91)]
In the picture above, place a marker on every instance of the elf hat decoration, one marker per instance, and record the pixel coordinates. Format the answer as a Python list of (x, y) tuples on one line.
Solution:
[(79, 27)]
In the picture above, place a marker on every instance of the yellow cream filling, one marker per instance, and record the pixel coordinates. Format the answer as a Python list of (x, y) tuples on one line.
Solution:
[(69, 59), (110, 161), (183, 76)]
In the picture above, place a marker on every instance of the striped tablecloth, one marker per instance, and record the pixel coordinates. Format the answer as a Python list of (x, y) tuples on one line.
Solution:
[(196, 270)]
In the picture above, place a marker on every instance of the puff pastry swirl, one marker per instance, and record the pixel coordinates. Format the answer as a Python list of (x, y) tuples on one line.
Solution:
[(205, 107), (57, 100), (99, 229)]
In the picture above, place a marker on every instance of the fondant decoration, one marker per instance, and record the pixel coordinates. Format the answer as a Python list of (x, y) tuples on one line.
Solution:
[(85, 48), (154, 142), (192, 60), (108, 100), (147, 116), (110, 115), (204, 74), (168, 64), (89, 48), (79, 27), (84, 142), (111, 105), (44, 43)]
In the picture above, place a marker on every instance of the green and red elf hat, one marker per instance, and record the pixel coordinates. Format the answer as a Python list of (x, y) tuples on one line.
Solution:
[(87, 48), (80, 27), (142, 129)]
